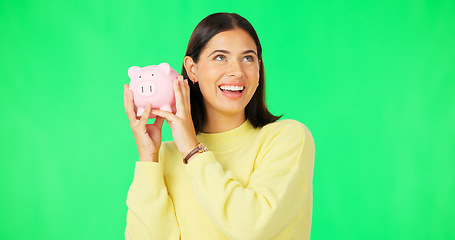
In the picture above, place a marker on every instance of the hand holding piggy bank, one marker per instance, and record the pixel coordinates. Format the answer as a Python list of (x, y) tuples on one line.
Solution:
[(153, 84)]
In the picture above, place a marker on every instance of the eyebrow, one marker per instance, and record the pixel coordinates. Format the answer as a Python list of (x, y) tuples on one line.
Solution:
[(227, 52)]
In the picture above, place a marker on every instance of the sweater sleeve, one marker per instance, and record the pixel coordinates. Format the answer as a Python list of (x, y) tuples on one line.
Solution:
[(150, 209), (279, 188)]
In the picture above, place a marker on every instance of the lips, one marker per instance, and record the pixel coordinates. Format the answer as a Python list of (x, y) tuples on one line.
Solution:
[(232, 90)]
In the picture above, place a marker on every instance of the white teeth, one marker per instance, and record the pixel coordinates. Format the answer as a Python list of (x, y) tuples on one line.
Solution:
[(231, 88)]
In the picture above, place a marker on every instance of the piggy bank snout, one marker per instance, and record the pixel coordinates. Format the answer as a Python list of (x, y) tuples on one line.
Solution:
[(146, 89)]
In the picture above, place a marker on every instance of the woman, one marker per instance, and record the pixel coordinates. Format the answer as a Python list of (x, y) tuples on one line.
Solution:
[(244, 175)]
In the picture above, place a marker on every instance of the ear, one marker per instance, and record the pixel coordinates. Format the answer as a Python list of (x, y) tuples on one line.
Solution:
[(190, 67), (165, 67), (132, 71)]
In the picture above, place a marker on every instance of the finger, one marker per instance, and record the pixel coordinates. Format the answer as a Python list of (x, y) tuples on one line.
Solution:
[(185, 97), (125, 97), (165, 114), (145, 115), (128, 103), (178, 97), (187, 94), (183, 90), (159, 122)]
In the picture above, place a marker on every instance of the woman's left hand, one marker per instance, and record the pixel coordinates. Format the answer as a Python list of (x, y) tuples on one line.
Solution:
[(181, 122)]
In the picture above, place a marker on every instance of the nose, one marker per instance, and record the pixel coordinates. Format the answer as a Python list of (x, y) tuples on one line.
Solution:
[(235, 70), (146, 89)]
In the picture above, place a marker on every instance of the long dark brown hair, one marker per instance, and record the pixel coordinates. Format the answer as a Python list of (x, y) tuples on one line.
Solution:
[(256, 110)]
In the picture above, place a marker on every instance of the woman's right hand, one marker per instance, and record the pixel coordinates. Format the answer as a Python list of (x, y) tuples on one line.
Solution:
[(147, 136)]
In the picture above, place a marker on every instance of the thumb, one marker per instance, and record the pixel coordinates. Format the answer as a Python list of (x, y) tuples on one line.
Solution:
[(159, 122)]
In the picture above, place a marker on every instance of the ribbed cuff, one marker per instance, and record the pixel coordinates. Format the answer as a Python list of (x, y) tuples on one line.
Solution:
[(149, 173), (200, 161)]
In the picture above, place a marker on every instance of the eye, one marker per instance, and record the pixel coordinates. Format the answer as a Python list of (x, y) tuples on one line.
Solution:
[(248, 58), (220, 58)]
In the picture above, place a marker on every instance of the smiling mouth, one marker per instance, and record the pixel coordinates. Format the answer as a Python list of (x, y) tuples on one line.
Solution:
[(231, 89)]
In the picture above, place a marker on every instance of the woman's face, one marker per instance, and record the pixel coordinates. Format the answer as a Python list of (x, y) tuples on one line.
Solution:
[(228, 72)]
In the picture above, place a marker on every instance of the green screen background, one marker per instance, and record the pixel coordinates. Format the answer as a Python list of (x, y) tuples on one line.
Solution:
[(372, 80)]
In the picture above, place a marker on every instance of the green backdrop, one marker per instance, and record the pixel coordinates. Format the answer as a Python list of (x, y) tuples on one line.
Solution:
[(372, 80)]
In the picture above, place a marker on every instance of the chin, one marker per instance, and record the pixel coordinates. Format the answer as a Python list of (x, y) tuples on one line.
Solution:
[(231, 109)]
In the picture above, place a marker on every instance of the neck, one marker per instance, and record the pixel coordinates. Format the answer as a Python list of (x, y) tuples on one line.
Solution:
[(217, 123)]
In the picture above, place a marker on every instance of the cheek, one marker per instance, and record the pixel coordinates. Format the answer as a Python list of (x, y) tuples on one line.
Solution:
[(208, 73), (207, 82), (253, 74)]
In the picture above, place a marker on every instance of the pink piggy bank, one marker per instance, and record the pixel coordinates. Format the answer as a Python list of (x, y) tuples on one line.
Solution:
[(153, 84)]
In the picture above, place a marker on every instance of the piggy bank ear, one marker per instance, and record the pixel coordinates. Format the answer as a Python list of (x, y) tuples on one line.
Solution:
[(165, 67), (132, 71)]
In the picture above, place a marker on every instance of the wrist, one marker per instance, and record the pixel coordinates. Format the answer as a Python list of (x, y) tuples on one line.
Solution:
[(144, 157), (192, 157), (189, 148), (200, 148)]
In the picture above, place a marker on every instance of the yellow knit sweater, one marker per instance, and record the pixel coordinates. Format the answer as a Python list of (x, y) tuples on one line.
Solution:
[(251, 184)]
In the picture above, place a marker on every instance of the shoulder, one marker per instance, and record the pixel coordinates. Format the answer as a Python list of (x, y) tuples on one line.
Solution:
[(287, 129), (286, 123), (288, 136), (288, 143)]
